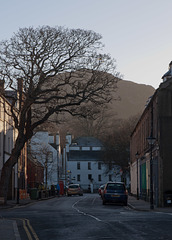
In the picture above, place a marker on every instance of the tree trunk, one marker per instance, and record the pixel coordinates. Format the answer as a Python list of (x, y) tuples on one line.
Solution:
[(7, 169), (5, 178)]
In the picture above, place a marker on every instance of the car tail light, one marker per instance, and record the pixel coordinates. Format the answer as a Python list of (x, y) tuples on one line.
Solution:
[(126, 192), (105, 191)]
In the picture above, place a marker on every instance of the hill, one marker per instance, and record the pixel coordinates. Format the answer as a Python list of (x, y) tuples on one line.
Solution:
[(129, 101), (133, 98)]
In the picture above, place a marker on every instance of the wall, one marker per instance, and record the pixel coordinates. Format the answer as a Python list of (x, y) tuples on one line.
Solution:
[(88, 151), (45, 152), (165, 133)]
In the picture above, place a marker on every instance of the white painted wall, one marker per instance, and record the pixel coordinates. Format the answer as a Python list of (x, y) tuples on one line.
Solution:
[(39, 148), (84, 171)]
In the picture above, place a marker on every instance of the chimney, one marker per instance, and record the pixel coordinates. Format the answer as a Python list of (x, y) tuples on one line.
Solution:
[(170, 67), (51, 139), (20, 85), (57, 139), (68, 138)]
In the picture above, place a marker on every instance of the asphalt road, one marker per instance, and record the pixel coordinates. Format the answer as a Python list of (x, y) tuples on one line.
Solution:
[(81, 218)]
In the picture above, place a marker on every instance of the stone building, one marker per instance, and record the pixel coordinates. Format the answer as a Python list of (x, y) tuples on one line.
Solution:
[(35, 173), (8, 135), (151, 164)]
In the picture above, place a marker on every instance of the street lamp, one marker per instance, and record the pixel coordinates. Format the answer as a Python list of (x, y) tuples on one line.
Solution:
[(137, 158), (151, 141), (18, 192)]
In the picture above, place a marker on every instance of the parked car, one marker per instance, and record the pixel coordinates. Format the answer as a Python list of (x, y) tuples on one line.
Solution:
[(100, 190), (74, 189), (115, 192)]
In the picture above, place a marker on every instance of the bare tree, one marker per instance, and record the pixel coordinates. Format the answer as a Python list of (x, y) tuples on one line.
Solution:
[(96, 123), (42, 152), (117, 144), (59, 69)]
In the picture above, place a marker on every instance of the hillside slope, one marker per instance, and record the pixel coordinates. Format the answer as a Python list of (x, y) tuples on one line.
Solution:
[(133, 98)]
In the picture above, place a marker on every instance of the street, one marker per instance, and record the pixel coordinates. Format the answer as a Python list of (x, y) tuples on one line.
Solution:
[(84, 217)]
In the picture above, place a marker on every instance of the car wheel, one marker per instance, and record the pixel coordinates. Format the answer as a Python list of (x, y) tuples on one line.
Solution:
[(68, 195), (104, 202), (125, 203)]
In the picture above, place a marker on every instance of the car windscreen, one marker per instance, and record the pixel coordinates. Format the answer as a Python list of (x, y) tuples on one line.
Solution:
[(115, 186)]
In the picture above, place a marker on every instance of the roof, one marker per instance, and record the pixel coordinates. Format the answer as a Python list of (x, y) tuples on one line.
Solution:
[(85, 155), (87, 142)]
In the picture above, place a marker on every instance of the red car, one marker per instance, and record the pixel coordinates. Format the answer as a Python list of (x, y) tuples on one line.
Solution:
[(100, 190)]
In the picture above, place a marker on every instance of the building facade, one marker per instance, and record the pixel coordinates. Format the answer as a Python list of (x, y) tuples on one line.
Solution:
[(45, 148), (8, 135), (150, 164), (84, 163), (35, 173)]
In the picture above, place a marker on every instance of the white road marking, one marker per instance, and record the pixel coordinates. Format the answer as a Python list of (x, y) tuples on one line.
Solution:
[(164, 213), (85, 214)]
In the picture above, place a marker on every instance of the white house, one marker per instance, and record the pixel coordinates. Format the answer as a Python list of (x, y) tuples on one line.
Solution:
[(45, 148), (84, 163)]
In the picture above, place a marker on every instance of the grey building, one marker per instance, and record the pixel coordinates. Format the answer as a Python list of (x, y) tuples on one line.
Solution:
[(151, 164)]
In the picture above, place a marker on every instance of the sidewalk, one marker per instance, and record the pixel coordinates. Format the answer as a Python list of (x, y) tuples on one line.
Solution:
[(9, 230), (141, 205)]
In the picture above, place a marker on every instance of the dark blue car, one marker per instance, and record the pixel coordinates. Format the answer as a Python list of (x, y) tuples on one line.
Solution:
[(115, 192)]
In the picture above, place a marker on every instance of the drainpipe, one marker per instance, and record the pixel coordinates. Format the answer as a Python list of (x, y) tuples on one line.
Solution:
[(4, 145)]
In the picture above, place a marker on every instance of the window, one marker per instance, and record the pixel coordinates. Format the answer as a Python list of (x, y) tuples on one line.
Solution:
[(89, 176), (99, 178), (78, 178), (78, 165), (99, 165), (89, 166), (110, 177), (115, 186)]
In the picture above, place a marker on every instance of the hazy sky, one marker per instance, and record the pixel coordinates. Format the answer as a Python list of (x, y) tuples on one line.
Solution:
[(137, 33)]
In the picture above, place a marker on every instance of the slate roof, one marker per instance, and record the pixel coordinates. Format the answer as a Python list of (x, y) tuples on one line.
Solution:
[(89, 155), (87, 142), (85, 155)]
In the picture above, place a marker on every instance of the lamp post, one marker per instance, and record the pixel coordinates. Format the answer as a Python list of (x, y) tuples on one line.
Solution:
[(18, 192), (66, 151), (151, 141), (137, 158)]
